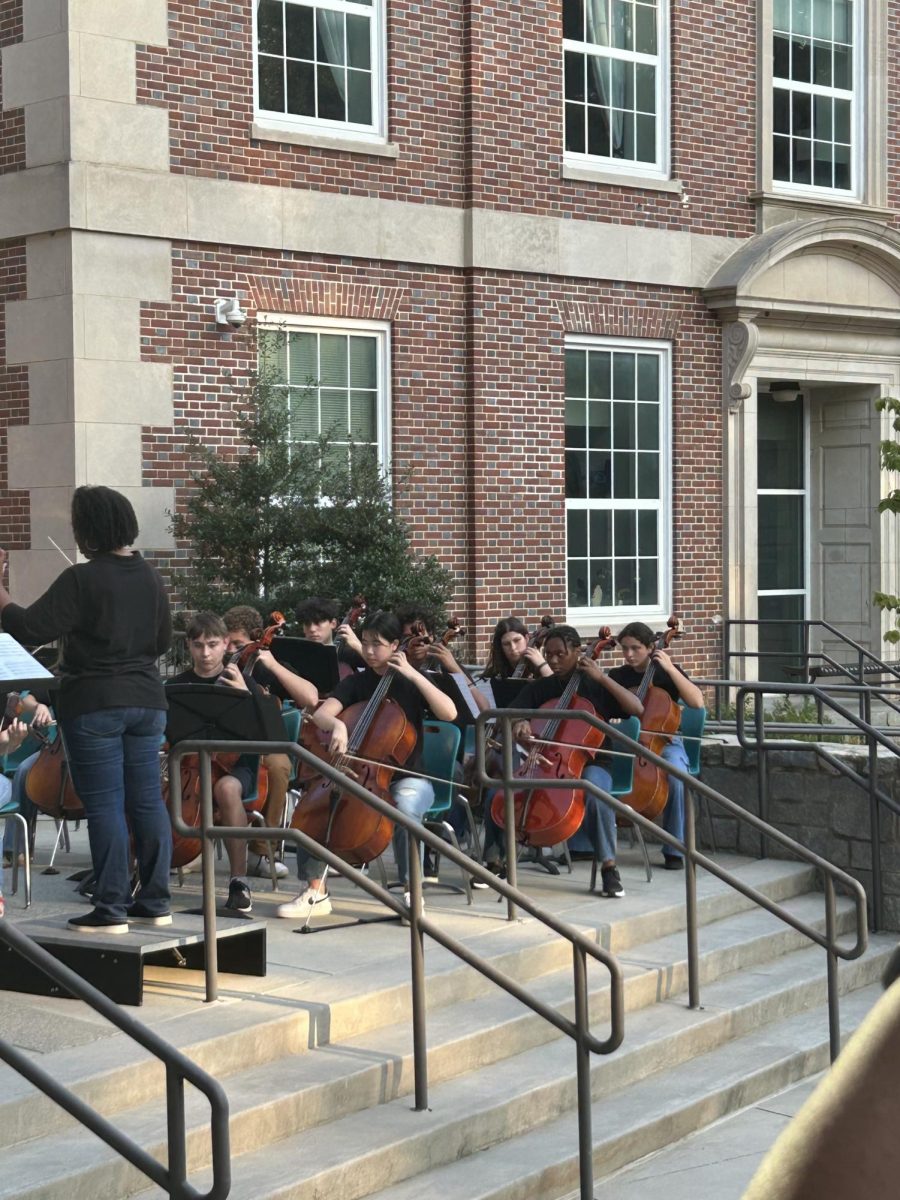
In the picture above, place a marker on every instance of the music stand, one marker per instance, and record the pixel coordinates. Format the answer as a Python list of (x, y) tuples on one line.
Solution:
[(313, 660), (208, 712), (507, 691)]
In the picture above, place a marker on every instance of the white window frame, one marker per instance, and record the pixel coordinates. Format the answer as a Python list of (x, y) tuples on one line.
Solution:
[(376, 133), (296, 323), (857, 97), (661, 169), (587, 619)]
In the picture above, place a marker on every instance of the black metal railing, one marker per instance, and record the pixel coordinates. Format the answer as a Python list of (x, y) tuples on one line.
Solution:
[(582, 947), (172, 1178), (503, 721)]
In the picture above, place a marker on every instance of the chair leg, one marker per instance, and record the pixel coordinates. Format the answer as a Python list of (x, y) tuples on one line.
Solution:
[(61, 832), (15, 884), (454, 842), (593, 874), (640, 840), (568, 857), (472, 824), (703, 802)]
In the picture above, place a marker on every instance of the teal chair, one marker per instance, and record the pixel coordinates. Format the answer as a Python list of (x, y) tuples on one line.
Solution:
[(440, 745), (11, 810), (693, 722), (621, 770)]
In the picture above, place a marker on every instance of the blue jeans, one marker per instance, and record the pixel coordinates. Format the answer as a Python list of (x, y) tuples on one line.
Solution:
[(598, 829), (114, 763), (413, 797), (673, 814)]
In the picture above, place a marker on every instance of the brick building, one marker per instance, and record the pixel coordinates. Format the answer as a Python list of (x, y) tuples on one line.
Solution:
[(618, 279)]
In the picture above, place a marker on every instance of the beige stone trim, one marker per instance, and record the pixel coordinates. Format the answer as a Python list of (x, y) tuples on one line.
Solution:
[(323, 141), (104, 68), (142, 21), (35, 70), (618, 179)]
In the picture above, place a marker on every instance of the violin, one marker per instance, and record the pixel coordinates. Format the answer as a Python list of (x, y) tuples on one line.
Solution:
[(379, 733), (545, 817), (661, 719), (356, 612)]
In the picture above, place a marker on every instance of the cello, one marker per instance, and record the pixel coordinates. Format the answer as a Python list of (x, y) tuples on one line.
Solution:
[(565, 746), (380, 733), (660, 722), (357, 611)]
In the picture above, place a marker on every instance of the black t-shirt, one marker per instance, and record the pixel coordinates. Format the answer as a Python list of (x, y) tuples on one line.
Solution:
[(629, 678), (360, 687), (551, 687), (112, 617)]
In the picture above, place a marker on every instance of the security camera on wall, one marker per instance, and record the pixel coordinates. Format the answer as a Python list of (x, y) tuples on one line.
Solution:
[(229, 313)]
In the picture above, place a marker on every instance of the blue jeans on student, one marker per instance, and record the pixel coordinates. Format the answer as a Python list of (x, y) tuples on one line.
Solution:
[(598, 827), (673, 814), (413, 797), (114, 763)]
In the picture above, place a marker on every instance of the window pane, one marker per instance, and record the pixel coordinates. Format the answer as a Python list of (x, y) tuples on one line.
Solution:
[(358, 51), (576, 474), (599, 142), (842, 120), (623, 376), (781, 58), (332, 85), (622, 24), (573, 20), (781, 158), (300, 31), (842, 178), (625, 580), (781, 111), (574, 76), (598, 79), (303, 365), (576, 372), (578, 583), (601, 534), (304, 415), (362, 416), (823, 170), (359, 97), (648, 426), (781, 552), (623, 484), (781, 646), (623, 426), (648, 476), (801, 60), (801, 17), (576, 432), (801, 166), (644, 29), (271, 84), (822, 117), (333, 360), (576, 533), (822, 19), (333, 408), (781, 15), (648, 537), (645, 88), (648, 581), (801, 115), (600, 425), (599, 363), (301, 85), (842, 21), (600, 479), (822, 63), (645, 139), (843, 67), (621, 83), (363, 362), (270, 27), (625, 534), (272, 356), (648, 377), (575, 128), (601, 582), (330, 37)]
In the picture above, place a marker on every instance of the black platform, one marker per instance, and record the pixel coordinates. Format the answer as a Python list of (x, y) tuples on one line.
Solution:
[(114, 963)]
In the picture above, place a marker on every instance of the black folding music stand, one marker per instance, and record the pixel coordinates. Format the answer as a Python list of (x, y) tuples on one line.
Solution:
[(312, 660), (212, 712)]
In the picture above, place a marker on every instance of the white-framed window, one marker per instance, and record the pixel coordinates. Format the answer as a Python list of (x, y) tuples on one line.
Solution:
[(618, 478), (321, 66), (817, 91), (336, 374), (616, 85)]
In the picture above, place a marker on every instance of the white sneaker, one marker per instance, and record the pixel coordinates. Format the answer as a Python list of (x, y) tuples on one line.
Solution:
[(319, 903), (258, 864), (407, 900)]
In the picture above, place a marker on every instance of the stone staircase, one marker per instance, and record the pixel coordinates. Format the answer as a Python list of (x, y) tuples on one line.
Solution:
[(321, 1094)]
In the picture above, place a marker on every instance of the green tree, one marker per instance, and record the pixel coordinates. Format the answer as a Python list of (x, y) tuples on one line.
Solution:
[(277, 522), (890, 461)]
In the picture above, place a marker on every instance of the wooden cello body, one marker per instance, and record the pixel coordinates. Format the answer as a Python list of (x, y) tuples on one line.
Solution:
[(659, 723), (547, 816)]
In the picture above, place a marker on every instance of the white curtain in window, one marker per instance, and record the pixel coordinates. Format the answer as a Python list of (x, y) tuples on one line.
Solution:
[(332, 26), (598, 35)]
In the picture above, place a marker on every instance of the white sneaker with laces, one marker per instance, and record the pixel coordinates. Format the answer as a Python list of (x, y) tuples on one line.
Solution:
[(317, 903), (258, 865)]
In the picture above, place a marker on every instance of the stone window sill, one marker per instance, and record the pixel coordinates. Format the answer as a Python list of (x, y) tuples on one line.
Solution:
[(819, 204), (619, 179), (323, 141)]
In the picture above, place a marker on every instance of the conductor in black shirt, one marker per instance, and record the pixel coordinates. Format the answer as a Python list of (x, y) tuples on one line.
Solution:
[(112, 617)]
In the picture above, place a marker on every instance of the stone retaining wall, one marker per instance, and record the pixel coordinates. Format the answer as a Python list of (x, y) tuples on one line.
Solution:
[(812, 803)]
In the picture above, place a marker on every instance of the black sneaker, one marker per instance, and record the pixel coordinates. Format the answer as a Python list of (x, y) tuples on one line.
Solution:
[(611, 884), (143, 916), (429, 869), (240, 898), (672, 862), (93, 922)]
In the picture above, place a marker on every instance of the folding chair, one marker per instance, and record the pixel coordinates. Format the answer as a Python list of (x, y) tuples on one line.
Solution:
[(693, 722), (12, 810), (440, 743)]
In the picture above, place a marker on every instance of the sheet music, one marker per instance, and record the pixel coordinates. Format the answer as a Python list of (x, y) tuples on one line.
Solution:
[(463, 684), (16, 663)]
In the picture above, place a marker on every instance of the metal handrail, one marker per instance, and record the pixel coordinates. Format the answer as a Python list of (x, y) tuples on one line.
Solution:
[(874, 738), (582, 948), (503, 720), (172, 1178)]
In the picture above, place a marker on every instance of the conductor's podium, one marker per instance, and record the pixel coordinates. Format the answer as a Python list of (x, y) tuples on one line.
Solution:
[(114, 963)]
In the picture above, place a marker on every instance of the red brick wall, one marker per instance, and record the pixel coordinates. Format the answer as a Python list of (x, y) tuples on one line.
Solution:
[(475, 105), (477, 377), (12, 123), (15, 521)]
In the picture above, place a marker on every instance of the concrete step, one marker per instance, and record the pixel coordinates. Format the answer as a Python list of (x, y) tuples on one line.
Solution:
[(628, 1125), (117, 1074), (376, 1068)]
